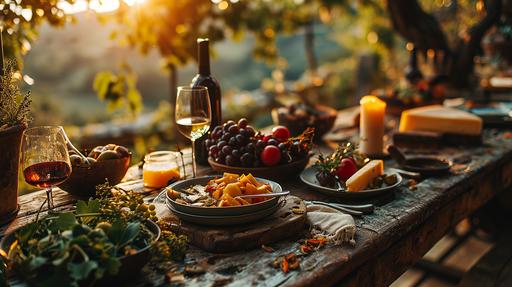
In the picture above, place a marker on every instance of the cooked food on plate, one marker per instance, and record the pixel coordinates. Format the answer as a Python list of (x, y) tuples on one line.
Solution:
[(222, 192)]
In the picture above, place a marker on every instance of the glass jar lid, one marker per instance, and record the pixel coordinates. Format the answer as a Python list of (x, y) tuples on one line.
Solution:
[(161, 156)]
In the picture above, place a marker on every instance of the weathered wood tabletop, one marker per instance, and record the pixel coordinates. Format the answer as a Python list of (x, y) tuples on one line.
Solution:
[(403, 227)]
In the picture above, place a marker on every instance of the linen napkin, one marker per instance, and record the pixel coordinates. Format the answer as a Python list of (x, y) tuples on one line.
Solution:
[(337, 226)]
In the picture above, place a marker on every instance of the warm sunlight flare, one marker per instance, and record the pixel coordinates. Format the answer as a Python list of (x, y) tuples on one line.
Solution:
[(96, 5)]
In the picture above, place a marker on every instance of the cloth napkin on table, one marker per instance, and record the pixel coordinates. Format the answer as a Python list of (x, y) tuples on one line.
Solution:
[(337, 226)]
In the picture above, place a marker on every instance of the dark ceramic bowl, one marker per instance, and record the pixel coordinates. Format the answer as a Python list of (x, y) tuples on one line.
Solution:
[(221, 211), (131, 265), (282, 171), (83, 179), (322, 122)]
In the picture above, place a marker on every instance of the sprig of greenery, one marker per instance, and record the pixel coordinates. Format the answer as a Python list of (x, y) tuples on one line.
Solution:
[(14, 106), (329, 163)]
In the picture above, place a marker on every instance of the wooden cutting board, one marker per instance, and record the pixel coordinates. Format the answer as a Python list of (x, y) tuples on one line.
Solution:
[(287, 222)]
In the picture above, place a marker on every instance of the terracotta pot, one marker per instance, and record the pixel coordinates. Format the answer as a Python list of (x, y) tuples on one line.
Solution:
[(10, 145)]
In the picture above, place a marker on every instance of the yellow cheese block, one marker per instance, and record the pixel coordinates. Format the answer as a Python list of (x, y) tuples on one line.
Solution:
[(440, 119), (363, 177)]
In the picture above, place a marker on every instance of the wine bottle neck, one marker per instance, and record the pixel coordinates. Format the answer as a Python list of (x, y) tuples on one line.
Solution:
[(203, 57)]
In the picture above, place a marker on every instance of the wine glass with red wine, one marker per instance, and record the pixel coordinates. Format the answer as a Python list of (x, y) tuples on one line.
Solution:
[(45, 158)]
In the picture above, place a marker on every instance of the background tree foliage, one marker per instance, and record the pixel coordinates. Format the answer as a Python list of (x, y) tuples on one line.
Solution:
[(21, 19), (172, 27)]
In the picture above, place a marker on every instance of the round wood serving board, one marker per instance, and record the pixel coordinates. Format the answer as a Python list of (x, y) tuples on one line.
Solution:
[(284, 223)]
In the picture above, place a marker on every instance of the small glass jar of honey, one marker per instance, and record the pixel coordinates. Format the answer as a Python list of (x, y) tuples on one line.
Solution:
[(160, 168)]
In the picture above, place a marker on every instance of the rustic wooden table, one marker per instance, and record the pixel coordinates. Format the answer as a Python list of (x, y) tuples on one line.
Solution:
[(403, 227)]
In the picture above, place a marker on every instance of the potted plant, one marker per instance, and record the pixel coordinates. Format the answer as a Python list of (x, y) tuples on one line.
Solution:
[(14, 116)]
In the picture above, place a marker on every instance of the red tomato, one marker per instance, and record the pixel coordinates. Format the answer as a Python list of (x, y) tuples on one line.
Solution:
[(270, 155), (266, 138), (346, 169), (281, 133)]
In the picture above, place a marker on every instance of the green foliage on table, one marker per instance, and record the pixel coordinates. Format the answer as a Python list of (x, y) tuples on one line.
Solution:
[(14, 106), (84, 246)]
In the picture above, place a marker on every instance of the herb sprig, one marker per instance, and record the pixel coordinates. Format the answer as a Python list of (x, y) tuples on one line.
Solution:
[(14, 106)]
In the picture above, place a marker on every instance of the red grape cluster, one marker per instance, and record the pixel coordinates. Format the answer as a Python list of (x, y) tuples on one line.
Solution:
[(238, 144)]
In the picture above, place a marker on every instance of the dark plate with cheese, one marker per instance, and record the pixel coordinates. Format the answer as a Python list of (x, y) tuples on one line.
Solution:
[(308, 176)]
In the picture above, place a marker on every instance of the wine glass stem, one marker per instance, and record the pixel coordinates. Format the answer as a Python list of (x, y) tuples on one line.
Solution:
[(49, 196), (193, 158)]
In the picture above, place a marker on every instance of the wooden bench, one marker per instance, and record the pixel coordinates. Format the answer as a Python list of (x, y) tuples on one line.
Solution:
[(494, 268)]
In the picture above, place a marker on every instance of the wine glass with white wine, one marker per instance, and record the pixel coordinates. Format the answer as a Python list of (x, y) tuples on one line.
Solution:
[(193, 115)]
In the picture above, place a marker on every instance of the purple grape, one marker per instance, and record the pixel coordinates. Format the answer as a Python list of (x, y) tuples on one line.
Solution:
[(246, 159), (241, 139), (236, 153), (233, 142), (225, 137), (215, 135), (273, 142), (242, 123), (282, 146), (250, 130), (214, 149), (233, 130), (227, 150), (250, 147), (221, 144), (260, 145), (230, 160), (217, 129), (245, 133)]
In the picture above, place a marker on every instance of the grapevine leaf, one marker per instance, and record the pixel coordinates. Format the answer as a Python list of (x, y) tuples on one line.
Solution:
[(121, 235), (82, 207), (65, 221)]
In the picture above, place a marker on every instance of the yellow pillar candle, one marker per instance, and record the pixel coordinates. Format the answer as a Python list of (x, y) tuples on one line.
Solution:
[(371, 127)]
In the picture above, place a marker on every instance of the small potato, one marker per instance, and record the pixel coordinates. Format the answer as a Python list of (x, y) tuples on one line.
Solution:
[(252, 180), (217, 194), (251, 189), (242, 201), (172, 194), (223, 203), (230, 200), (233, 190), (264, 189)]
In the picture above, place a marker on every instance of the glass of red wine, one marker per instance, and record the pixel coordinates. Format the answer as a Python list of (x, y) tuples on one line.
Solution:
[(45, 158)]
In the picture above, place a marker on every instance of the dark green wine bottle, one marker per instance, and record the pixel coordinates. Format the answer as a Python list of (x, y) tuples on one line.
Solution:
[(205, 79)]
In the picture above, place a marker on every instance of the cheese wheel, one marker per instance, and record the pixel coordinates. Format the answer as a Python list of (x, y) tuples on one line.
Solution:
[(440, 119)]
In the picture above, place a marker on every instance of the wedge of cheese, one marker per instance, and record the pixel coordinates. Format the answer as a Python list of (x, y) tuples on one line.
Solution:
[(440, 119), (363, 177)]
